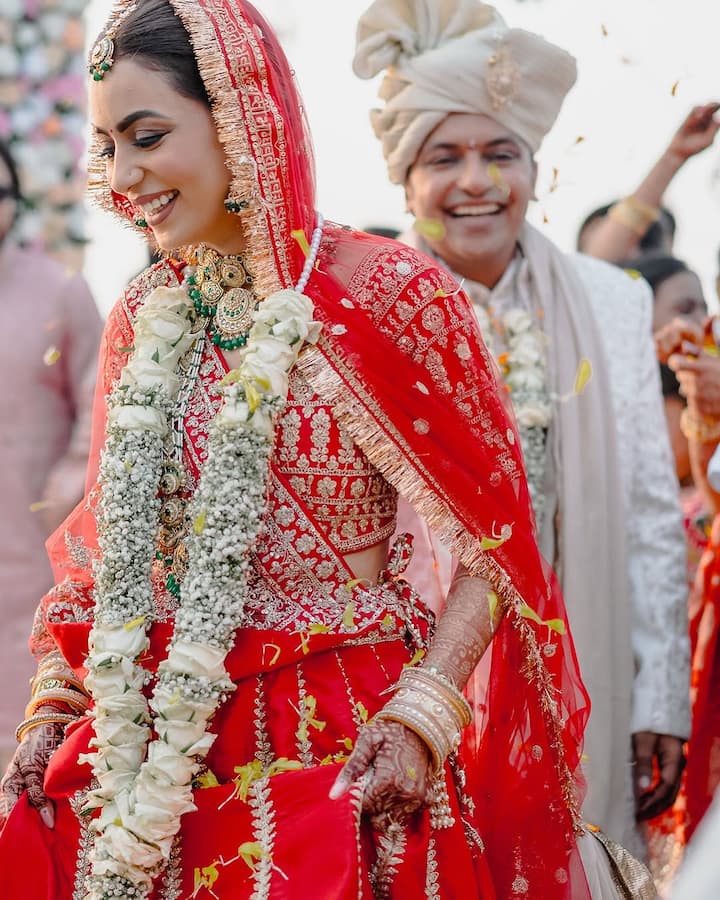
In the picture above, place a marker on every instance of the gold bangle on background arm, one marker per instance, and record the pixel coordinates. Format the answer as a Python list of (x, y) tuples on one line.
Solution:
[(634, 214), (699, 428)]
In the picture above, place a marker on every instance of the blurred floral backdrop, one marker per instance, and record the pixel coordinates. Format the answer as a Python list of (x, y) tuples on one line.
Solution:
[(42, 116)]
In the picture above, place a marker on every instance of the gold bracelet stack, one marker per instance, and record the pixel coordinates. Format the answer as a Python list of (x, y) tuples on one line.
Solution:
[(634, 214), (699, 428), (429, 704), (58, 696)]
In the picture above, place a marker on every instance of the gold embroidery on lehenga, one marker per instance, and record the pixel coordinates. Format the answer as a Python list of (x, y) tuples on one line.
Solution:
[(263, 819), (432, 877), (171, 886), (263, 748), (305, 710), (390, 855), (85, 843)]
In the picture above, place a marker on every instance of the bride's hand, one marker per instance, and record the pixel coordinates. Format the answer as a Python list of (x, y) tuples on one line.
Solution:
[(400, 771), (26, 772)]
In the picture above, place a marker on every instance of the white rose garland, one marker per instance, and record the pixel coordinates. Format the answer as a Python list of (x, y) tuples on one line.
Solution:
[(145, 784)]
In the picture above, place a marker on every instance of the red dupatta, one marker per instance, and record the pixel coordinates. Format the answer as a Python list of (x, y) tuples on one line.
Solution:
[(405, 369)]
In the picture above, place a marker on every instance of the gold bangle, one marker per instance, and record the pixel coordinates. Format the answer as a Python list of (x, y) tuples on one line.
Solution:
[(699, 429), (40, 685), (634, 214), (56, 718), (428, 703), (431, 680), (73, 699), (425, 727)]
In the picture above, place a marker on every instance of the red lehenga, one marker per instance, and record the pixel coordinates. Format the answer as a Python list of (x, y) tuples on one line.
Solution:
[(399, 395)]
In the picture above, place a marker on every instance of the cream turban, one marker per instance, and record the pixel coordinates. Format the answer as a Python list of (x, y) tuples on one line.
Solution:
[(456, 56)]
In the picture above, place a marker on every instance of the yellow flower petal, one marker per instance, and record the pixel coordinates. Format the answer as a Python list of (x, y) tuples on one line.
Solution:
[(302, 240), (51, 356), (199, 523), (584, 374), (276, 655), (135, 623), (417, 656), (432, 229), (349, 616), (497, 179), (493, 603), (206, 780), (251, 851)]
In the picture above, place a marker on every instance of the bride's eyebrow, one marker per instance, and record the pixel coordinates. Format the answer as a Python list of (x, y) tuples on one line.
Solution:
[(131, 118)]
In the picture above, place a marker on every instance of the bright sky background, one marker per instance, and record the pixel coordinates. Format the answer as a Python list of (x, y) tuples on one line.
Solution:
[(642, 65)]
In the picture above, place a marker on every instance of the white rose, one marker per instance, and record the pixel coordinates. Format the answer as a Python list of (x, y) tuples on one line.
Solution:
[(163, 324), (118, 732), (166, 355), (126, 758), (148, 375), (122, 640), (282, 305), (171, 706), (196, 659), (138, 418), (536, 415), (234, 412), (112, 785), (262, 422), (290, 331), (180, 735), (525, 351), (528, 380), (130, 705), (127, 849), (517, 321), (175, 300), (113, 682), (170, 763)]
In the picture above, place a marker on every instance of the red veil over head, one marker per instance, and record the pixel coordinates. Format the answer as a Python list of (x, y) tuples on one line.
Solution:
[(435, 424)]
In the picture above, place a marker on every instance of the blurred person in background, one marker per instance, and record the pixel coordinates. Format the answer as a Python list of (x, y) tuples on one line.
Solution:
[(690, 350), (468, 102), (52, 330), (657, 239), (677, 293), (639, 223)]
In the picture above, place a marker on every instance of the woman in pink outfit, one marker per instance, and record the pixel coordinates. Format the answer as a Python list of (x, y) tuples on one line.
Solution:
[(47, 366)]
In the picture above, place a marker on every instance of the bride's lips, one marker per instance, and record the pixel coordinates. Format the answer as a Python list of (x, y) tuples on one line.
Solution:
[(157, 207)]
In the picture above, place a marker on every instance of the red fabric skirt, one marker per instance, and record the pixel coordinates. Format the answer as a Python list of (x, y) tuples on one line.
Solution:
[(280, 836)]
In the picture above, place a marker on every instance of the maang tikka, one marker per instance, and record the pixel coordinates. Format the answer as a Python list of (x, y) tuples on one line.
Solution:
[(103, 51)]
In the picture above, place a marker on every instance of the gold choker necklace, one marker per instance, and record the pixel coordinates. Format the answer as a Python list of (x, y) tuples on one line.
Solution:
[(220, 290)]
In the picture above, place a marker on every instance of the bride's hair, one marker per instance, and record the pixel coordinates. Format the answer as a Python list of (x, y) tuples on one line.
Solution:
[(154, 34)]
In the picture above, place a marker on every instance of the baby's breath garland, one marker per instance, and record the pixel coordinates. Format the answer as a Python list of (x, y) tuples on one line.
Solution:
[(145, 782)]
